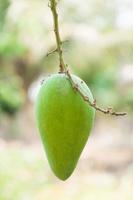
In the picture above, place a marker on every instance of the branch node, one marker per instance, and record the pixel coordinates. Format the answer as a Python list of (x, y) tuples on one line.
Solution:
[(86, 98)]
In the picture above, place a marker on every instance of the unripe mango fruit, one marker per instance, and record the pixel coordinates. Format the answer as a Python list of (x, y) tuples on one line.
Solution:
[(64, 120)]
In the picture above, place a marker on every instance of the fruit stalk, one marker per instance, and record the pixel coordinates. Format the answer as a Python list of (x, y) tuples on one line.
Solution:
[(53, 6), (63, 68)]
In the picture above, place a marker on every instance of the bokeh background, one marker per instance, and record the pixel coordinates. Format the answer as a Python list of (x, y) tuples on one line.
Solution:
[(97, 40)]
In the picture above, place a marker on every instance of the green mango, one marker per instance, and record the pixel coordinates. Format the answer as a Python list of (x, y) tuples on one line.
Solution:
[(64, 120)]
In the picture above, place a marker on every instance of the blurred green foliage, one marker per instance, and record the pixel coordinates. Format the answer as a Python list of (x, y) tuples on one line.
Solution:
[(10, 46), (11, 94), (3, 11)]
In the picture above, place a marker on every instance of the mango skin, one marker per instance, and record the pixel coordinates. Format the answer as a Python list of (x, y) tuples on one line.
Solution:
[(64, 120)]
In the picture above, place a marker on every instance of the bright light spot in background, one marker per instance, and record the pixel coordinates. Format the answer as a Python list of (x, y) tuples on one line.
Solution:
[(17, 9), (126, 74), (34, 89), (125, 19)]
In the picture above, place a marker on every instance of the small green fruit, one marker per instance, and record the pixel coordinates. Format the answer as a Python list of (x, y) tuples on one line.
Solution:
[(65, 121)]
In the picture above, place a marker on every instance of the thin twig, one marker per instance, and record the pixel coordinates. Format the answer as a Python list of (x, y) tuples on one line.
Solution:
[(53, 5), (51, 52)]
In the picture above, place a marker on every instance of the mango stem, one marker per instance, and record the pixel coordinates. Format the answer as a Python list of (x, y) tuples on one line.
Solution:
[(53, 6)]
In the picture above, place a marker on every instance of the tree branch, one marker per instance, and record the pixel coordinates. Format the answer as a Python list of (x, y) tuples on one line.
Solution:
[(64, 68)]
